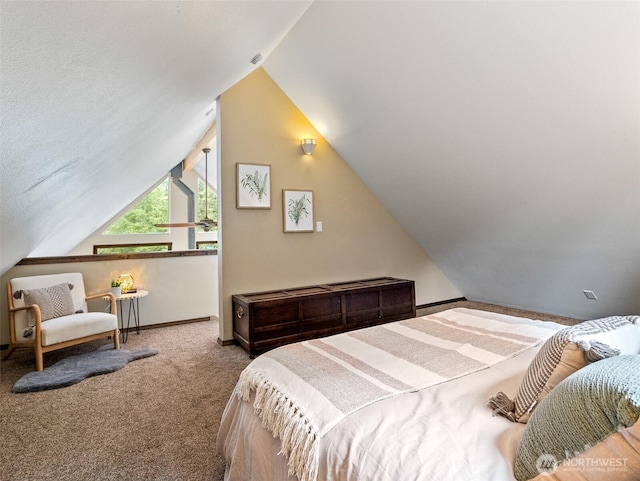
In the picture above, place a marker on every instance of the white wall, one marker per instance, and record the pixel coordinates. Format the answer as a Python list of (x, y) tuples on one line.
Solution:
[(180, 288)]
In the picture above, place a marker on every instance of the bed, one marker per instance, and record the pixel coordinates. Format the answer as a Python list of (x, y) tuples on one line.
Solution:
[(426, 427)]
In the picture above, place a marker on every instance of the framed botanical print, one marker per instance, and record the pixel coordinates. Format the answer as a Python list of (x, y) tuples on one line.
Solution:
[(297, 206), (253, 186)]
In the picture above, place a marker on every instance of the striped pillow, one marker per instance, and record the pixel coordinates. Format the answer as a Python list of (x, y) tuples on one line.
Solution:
[(564, 353), (587, 428), (54, 301)]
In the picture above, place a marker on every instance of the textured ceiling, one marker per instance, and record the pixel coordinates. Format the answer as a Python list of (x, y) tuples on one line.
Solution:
[(101, 99)]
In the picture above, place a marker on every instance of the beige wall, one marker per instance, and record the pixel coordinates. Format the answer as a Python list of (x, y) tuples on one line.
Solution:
[(360, 239), (180, 288)]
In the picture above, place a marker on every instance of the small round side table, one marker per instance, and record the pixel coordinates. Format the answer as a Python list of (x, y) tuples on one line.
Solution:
[(134, 311)]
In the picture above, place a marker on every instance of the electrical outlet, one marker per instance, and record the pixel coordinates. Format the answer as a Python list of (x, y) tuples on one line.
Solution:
[(590, 295), (318, 226)]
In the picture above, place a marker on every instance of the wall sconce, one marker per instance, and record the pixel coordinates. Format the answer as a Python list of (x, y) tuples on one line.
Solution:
[(308, 146)]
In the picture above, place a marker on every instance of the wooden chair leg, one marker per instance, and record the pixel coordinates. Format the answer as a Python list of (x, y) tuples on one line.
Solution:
[(39, 360), (116, 339), (10, 349)]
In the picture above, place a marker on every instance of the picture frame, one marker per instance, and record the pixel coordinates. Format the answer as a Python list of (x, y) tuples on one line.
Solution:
[(297, 210), (253, 186)]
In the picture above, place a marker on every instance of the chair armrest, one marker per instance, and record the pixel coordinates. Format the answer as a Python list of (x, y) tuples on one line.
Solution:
[(111, 297), (36, 309), (98, 296), (30, 306)]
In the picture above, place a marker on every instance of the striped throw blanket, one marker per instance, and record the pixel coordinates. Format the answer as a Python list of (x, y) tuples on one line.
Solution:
[(303, 390)]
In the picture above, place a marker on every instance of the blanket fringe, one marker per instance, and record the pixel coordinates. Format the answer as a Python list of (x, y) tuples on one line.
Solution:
[(502, 406), (283, 419)]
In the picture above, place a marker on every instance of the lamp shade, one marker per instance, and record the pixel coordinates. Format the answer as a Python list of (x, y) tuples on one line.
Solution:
[(308, 146)]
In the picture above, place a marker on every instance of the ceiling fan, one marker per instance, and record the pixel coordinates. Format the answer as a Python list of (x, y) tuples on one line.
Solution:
[(206, 223)]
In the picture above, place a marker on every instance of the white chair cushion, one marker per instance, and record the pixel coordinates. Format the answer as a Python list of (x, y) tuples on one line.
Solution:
[(66, 328)]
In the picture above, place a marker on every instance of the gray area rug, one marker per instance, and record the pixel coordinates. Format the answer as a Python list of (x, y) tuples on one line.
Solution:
[(73, 369)]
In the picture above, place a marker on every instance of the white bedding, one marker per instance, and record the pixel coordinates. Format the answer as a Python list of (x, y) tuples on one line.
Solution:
[(440, 433)]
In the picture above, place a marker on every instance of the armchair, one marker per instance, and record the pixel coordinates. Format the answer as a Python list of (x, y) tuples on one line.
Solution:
[(49, 312)]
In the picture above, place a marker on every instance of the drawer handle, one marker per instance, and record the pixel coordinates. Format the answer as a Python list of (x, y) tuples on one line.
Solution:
[(239, 312)]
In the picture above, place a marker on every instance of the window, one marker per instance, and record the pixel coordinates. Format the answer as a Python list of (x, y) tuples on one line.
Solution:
[(140, 219), (207, 245), (131, 248)]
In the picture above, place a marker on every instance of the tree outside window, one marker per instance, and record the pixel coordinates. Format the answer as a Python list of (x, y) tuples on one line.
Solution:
[(140, 219)]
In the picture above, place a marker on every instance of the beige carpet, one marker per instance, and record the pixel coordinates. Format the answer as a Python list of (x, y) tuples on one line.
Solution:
[(155, 419)]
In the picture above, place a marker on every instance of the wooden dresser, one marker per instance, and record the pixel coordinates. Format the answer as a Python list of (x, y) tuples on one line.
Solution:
[(265, 320)]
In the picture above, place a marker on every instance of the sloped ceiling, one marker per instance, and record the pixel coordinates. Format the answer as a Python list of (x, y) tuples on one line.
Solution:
[(101, 99), (505, 136)]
